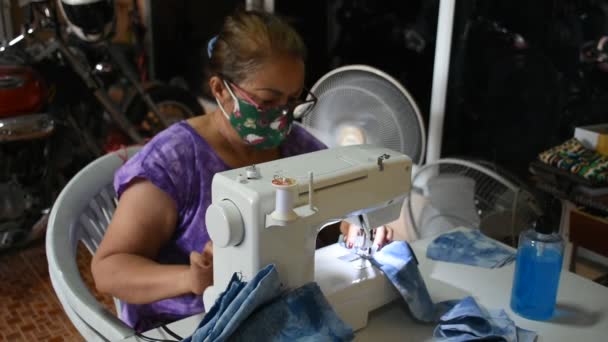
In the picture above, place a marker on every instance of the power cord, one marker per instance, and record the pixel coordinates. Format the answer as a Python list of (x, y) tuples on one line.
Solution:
[(151, 339), (166, 329), (173, 334)]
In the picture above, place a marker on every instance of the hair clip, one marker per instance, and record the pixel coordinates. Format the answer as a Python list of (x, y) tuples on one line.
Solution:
[(211, 45)]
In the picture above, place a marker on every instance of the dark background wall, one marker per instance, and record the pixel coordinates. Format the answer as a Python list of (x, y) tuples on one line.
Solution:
[(181, 30), (520, 85), (517, 85)]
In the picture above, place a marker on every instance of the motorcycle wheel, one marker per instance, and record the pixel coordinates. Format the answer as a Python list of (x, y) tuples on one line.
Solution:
[(174, 102)]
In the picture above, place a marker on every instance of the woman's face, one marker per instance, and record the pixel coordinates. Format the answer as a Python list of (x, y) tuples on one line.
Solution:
[(278, 82)]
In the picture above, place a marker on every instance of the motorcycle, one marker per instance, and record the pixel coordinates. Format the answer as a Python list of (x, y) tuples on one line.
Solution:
[(57, 113)]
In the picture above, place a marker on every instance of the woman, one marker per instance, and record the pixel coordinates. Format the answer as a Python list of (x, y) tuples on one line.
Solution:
[(149, 257)]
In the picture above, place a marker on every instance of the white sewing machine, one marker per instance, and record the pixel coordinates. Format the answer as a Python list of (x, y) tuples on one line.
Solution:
[(272, 213)]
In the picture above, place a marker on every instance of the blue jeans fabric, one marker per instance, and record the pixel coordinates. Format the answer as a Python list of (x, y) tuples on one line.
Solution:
[(469, 247), (465, 320), (259, 310), (398, 263), (301, 315)]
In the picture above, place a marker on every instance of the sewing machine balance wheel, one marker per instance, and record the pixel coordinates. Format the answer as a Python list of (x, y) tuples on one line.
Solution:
[(224, 224)]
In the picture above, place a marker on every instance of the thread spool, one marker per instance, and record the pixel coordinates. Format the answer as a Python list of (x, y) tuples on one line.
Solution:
[(285, 194)]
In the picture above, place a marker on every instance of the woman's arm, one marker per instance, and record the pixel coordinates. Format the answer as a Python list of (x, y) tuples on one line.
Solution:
[(124, 265)]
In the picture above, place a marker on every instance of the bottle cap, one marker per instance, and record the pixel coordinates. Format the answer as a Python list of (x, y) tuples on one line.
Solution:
[(542, 225)]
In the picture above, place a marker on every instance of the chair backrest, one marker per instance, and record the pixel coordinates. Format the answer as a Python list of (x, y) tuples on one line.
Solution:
[(82, 212)]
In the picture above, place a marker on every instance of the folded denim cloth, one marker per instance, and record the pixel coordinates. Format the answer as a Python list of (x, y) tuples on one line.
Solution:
[(467, 321), (302, 315), (469, 247), (258, 310), (398, 262)]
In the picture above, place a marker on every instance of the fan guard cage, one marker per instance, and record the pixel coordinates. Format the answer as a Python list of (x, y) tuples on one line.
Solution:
[(368, 100), (457, 192)]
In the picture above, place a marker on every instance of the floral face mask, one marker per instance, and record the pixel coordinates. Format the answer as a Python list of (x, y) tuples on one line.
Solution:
[(261, 128)]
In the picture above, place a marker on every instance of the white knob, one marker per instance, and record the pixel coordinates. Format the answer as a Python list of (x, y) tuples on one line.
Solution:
[(252, 172), (224, 224)]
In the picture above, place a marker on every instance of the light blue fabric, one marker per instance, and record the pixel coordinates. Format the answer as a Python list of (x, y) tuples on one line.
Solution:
[(236, 304), (398, 262), (258, 310), (302, 315), (469, 247), (467, 321)]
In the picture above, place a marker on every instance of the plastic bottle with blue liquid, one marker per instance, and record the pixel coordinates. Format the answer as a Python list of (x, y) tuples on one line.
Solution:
[(537, 272)]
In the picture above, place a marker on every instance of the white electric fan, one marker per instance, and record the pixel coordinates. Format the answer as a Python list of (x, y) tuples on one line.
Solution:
[(359, 104), (450, 192)]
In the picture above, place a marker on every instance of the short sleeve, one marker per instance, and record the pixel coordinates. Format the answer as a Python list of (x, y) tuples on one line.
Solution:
[(165, 162)]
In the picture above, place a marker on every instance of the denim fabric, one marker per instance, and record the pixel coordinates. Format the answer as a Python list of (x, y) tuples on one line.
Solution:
[(398, 262), (300, 315), (469, 247), (234, 305), (259, 311), (467, 321)]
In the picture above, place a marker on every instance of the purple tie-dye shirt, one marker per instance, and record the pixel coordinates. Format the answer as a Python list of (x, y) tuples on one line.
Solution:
[(182, 164)]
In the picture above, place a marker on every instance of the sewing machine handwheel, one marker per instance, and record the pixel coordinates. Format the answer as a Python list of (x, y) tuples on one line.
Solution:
[(224, 224)]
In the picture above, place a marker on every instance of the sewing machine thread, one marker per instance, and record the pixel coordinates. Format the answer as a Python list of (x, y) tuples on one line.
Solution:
[(285, 197)]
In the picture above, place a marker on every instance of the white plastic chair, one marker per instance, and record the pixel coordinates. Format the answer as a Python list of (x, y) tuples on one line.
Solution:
[(82, 212)]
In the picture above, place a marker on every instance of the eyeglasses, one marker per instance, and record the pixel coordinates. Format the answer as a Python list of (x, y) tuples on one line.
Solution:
[(299, 108)]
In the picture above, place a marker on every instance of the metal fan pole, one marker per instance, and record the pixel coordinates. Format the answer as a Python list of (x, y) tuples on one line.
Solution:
[(441, 68)]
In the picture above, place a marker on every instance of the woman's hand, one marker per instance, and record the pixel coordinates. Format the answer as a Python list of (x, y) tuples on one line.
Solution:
[(382, 235), (200, 275)]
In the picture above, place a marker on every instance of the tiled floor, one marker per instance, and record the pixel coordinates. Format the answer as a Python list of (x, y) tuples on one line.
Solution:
[(29, 310)]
